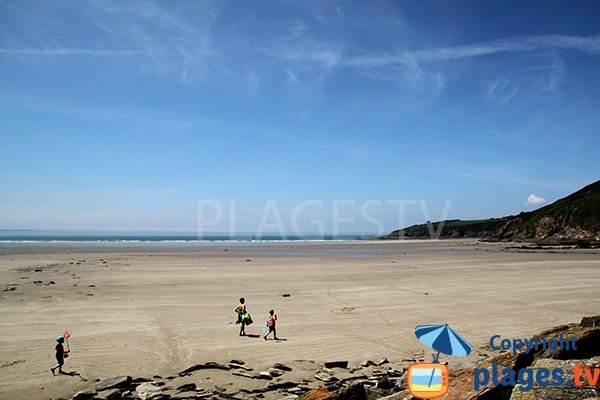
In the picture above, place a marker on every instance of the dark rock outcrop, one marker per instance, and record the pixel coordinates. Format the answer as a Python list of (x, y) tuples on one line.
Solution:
[(587, 354), (336, 364), (208, 365), (84, 395), (282, 367), (381, 379), (115, 382), (352, 392)]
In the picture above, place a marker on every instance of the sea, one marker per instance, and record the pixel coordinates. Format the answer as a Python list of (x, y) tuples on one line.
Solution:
[(35, 236)]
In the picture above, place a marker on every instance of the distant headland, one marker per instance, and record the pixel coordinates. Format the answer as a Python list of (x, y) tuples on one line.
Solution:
[(572, 220)]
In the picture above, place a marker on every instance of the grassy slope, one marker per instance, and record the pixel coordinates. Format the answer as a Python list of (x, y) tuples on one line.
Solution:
[(582, 208)]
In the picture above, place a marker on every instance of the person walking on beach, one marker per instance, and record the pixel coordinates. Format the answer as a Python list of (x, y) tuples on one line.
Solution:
[(241, 310), (61, 353), (271, 322)]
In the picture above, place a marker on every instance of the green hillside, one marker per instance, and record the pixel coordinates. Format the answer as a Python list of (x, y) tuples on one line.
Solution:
[(582, 208), (573, 218)]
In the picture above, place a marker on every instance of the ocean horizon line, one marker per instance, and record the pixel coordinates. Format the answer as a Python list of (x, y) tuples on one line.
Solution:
[(33, 236)]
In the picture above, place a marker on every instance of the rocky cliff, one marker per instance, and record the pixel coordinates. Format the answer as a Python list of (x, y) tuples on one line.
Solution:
[(574, 219)]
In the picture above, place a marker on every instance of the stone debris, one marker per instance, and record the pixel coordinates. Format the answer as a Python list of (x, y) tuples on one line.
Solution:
[(548, 392), (148, 390), (265, 375), (188, 387), (336, 364), (402, 395), (385, 384), (291, 386), (84, 395), (324, 377), (115, 382), (354, 378), (353, 392), (208, 365), (238, 366), (181, 396), (336, 380), (112, 394), (380, 379), (137, 381), (275, 372), (367, 363), (381, 361), (245, 375), (282, 367)]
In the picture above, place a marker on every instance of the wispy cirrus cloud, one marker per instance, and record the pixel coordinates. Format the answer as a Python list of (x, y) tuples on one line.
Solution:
[(495, 173), (167, 120), (538, 77), (147, 35), (327, 57), (585, 44), (66, 51), (179, 41), (299, 52), (425, 71), (174, 42), (302, 57)]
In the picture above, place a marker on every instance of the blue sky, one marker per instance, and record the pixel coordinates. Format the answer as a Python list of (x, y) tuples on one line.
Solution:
[(128, 115)]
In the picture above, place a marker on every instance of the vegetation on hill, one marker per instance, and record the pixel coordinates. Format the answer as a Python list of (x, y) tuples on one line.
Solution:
[(574, 218)]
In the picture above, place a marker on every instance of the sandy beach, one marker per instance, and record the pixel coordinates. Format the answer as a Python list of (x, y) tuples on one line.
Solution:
[(144, 309)]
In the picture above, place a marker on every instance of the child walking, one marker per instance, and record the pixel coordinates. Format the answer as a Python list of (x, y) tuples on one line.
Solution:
[(61, 353), (271, 322)]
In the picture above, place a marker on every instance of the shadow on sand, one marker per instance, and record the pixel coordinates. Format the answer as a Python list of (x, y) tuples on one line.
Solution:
[(73, 373)]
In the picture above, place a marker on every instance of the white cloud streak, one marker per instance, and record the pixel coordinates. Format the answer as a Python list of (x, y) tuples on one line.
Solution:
[(147, 36), (535, 200), (64, 51), (178, 40), (585, 44), (167, 120)]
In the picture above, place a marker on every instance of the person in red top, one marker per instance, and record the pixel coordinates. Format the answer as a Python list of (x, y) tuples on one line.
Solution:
[(271, 322)]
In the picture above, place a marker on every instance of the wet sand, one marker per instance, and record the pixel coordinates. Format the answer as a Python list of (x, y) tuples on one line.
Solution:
[(145, 309)]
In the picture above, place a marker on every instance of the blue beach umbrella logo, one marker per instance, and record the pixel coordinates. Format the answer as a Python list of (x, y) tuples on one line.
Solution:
[(443, 339), (430, 380)]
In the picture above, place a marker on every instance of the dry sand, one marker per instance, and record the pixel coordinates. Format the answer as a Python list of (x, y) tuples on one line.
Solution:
[(156, 309)]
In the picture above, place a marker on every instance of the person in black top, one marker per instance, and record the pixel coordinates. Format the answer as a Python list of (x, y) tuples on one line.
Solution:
[(60, 355), (241, 310)]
